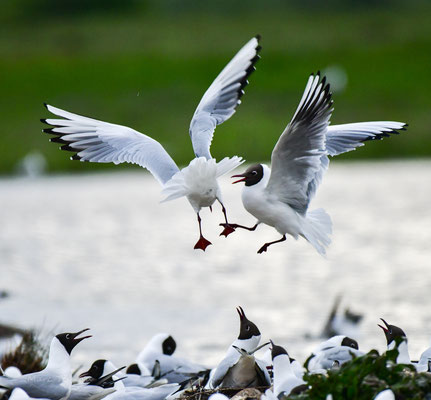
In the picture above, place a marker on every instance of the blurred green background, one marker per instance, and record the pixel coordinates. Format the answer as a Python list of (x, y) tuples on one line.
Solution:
[(146, 64)]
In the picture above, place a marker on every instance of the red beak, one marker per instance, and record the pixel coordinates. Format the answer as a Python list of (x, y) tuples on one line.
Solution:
[(385, 329), (239, 176)]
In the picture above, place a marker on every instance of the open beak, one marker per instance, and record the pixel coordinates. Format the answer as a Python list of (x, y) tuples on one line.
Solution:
[(84, 374), (77, 340), (240, 311), (386, 327), (239, 176)]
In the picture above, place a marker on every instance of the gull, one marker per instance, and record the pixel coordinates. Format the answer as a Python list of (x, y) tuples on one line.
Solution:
[(333, 352), (395, 337), (285, 380), (103, 142), (279, 196), (239, 368), (55, 381), (159, 351)]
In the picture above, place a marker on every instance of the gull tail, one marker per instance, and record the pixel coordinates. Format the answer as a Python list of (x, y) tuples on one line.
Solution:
[(316, 228)]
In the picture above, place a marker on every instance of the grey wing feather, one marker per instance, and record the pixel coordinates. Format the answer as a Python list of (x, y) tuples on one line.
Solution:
[(223, 96), (102, 142), (223, 368), (38, 385), (347, 137), (297, 158)]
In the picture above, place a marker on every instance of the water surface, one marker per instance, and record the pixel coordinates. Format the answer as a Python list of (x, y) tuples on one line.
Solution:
[(99, 251)]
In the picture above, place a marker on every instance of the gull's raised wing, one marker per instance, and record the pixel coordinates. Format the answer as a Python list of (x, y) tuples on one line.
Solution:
[(347, 137), (296, 161), (223, 96), (102, 142)]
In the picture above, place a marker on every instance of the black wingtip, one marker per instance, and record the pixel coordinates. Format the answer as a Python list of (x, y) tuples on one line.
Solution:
[(258, 37), (43, 120), (75, 157), (45, 105), (67, 147), (50, 131), (58, 139)]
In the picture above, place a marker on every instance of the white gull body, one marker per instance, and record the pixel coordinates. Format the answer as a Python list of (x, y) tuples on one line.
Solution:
[(280, 196)]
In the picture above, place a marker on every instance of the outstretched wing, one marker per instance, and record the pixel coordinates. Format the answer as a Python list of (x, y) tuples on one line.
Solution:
[(223, 96), (102, 142), (296, 160), (347, 137)]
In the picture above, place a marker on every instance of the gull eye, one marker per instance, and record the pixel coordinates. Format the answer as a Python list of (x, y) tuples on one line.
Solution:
[(68, 336), (247, 328), (254, 172)]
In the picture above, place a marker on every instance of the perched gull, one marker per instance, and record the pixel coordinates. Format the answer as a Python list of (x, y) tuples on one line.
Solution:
[(334, 351), (392, 334), (159, 350), (239, 368), (55, 381), (285, 380), (279, 197), (97, 141)]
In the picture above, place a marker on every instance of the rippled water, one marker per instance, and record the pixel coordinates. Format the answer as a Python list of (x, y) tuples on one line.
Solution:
[(100, 251)]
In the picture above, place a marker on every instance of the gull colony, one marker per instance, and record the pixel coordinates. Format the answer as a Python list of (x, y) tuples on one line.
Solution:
[(278, 196), (157, 374)]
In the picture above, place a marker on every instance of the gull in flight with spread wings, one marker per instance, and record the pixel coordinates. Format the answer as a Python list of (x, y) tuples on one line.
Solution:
[(279, 196), (103, 142)]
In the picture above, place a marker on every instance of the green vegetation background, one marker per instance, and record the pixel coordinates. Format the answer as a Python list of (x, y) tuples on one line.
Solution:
[(146, 64)]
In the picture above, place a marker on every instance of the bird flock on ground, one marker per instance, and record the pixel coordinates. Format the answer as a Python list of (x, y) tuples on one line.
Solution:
[(157, 374), (278, 196)]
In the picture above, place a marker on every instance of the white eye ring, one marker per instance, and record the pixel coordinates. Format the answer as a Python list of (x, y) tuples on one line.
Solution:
[(254, 172), (68, 336), (247, 328)]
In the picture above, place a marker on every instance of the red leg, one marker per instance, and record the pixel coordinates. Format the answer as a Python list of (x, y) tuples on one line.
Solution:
[(202, 243), (231, 228), (266, 245)]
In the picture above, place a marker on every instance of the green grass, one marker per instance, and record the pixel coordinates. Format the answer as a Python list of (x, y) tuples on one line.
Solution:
[(148, 69)]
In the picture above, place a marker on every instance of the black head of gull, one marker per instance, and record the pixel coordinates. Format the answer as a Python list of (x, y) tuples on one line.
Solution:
[(169, 345), (70, 340), (251, 176), (133, 369), (392, 332), (96, 370), (277, 350), (247, 329), (349, 342)]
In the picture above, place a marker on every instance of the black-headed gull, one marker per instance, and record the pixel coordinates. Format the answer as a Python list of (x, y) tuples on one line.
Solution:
[(103, 142), (279, 196), (393, 334), (160, 350), (239, 368), (285, 380), (55, 381), (334, 351)]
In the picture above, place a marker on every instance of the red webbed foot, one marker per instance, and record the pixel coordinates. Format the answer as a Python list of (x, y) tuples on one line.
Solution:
[(202, 243), (228, 229)]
